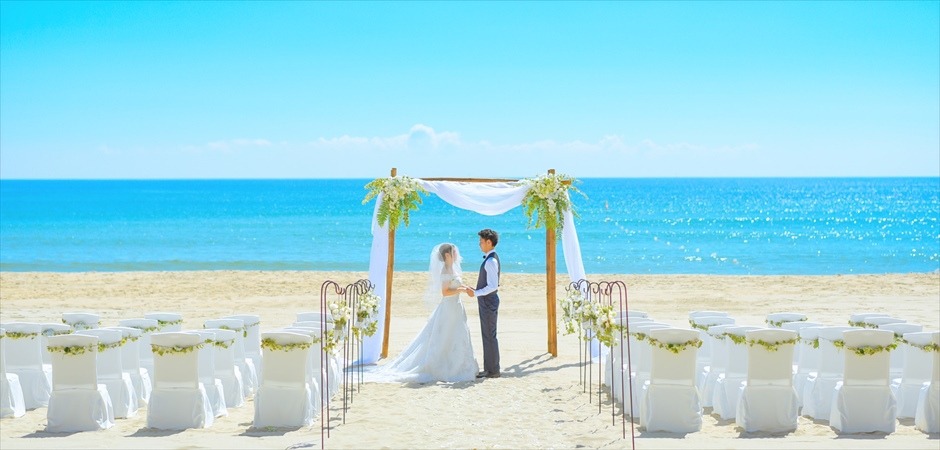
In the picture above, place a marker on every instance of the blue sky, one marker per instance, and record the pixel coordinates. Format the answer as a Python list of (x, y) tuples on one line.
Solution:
[(322, 90)]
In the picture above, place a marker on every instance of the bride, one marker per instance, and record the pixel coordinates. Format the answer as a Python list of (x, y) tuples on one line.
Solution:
[(442, 350)]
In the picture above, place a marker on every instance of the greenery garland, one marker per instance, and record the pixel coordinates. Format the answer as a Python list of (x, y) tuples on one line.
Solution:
[(736, 339), (54, 332), (19, 335), (163, 323), (547, 198), (640, 336), (675, 348), (861, 324), (779, 323), (271, 344), (931, 347), (175, 350), (813, 342), (73, 350), (697, 326), (79, 325), (402, 194), (243, 329), (144, 329), (866, 350), (771, 346), (220, 344), (102, 346)]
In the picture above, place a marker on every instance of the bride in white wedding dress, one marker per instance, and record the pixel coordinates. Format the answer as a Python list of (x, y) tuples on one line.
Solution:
[(442, 351)]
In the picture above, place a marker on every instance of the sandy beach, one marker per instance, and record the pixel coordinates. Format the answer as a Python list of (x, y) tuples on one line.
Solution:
[(538, 403)]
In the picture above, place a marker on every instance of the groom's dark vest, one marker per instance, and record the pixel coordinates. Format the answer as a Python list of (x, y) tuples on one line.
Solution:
[(481, 280)]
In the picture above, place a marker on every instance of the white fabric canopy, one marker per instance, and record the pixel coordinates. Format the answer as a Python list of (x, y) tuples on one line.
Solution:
[(489, 199)]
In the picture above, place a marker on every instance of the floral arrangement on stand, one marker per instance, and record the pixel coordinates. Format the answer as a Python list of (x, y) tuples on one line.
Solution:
[(589, 318), (548, 199), (368, 308), (402, 194)]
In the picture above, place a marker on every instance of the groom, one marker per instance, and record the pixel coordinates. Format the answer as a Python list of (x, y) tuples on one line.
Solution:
[(488, 301)]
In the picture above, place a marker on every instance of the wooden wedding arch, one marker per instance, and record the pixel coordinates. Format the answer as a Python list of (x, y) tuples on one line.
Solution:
[(550, 255)]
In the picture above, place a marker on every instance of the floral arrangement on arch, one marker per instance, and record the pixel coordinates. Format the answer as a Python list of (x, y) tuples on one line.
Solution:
[(368, 308), (402, 194), (548, 199)]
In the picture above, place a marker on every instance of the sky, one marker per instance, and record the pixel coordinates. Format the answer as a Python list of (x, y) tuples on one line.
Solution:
[(350, 90)]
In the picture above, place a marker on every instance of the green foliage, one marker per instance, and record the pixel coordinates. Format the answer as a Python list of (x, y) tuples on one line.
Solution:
[(270, 344), (771, 346), (548, 199), (779, 324), (675, 348)]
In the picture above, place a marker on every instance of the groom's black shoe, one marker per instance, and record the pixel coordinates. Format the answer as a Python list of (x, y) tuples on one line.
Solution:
[(483, 374), (492, 375)]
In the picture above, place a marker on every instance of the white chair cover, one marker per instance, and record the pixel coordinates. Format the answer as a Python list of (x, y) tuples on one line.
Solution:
[(23, 358), (618, 355), (11, 393), (51, 329), (927, 416), (315, 374), (644, 362), (696, 314), (728, 386), (284, 398), (333, 372), (146, 327), (897, 357), (253, 341), (717, 364), (671, 400), (111, 371), (818, 389), (863, 401), (776, 320), (178, 400), (215, 392), (808, 364), (797, 326), (704, 354), (81, 321), (877, 321), (246, 366), (78, 402), (858, 319), (167, 322), (632, 313), (768, 401), (130, 362), (918, 364), (223, 366)]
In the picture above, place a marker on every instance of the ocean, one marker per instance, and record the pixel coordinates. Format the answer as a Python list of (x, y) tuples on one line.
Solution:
[(725, 226)]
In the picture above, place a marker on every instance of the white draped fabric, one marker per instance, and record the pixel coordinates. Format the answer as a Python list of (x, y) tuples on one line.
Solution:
[(489, 199)]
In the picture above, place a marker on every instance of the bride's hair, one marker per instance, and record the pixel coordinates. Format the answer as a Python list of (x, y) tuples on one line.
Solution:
[(444, 249), (436, 270)]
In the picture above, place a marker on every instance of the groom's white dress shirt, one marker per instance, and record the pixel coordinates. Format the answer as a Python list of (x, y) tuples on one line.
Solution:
[(491, 266)]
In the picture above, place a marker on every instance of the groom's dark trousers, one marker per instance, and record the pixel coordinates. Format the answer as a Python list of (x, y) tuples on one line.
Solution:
[(489, 310)]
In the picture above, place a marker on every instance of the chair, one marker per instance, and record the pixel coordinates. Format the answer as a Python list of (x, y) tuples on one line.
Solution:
[(224, 367), (927, 417), (817, 390), (315, 374), (641, 370), (253, 340), (808, 364), (863, 401), (899, 330), (178, 400), (284, 398), (858, 319), (146, 327), (332, 368), (728, 386), (11, 393), (797, 326), (215, 391), (696, 314), (130, 362), (23, 357), (718, 363), (246, 366), (917, 371), (671, 401), (111, 371), (81, 321), (768, 401), (167, 322), (704, 354), (618, 372), (78, 402), (877, 321), (50, 329), (632, 313), (776, 320)]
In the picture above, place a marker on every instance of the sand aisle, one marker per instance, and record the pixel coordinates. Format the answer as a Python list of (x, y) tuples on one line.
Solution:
[(538, 403)]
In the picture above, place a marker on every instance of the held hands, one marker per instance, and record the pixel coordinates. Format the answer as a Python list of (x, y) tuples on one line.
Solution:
[(467, 290)]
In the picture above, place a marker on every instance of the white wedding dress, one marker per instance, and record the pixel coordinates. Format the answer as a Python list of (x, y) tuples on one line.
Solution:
[(442, 351)]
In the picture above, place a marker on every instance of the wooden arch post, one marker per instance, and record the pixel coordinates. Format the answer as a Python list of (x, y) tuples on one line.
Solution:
[(390, 268), (550, 286)]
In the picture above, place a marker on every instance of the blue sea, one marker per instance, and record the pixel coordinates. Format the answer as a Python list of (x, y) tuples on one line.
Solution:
[(749, 226)]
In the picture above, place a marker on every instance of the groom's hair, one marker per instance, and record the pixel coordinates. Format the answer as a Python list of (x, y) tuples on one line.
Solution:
[(490, 235)]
